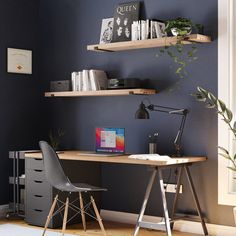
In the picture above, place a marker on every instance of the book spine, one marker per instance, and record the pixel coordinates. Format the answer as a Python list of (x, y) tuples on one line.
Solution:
[(147, 28), (143, 30), (86, 82), (73, 80), (93, 81), (157, 30), (79, 81)]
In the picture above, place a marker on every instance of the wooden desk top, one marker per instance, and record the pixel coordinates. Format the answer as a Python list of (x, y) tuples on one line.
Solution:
[(76, 156)]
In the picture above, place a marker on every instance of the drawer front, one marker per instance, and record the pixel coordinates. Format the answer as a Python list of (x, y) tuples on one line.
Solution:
[(38, 187), (36, 216), (38, 202), (34, 164), (35, 174)]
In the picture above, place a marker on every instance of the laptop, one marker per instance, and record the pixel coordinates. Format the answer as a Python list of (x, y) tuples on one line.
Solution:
[(108, 142)]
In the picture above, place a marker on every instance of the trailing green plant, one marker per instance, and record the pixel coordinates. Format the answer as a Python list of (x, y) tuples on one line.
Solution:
[(54, 138), (227, 116), (182, 25), (180, 57)]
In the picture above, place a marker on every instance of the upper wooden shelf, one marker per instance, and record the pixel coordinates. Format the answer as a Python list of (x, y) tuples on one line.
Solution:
[(114, 92), (148, 43)]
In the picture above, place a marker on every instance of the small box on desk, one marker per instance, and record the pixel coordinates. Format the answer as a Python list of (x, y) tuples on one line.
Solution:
[(60, 86)]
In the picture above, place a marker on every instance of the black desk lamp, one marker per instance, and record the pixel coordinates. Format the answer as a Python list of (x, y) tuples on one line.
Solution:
[(142, 113)]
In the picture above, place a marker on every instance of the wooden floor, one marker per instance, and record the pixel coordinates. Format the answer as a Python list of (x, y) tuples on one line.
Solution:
[(113, 229)]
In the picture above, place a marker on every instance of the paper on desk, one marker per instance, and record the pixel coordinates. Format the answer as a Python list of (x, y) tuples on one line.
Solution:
[(151, 157)]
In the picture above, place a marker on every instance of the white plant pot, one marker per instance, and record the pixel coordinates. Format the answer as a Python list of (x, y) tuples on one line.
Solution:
[(175, 32)]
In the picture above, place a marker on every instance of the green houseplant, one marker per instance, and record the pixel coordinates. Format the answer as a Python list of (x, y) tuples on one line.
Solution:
[(213, 102), (181, 27)]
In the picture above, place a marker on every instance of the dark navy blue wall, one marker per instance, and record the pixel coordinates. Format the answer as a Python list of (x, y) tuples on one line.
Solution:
[(19, 94), (67, 27)]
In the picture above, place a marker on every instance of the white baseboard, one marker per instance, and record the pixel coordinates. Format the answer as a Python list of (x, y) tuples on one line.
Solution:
[(180, 225), (3, 210)]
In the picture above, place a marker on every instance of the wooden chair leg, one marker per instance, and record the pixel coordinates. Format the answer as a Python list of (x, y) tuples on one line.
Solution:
[(98, 215), (82, 211), (65, 216), (49, 217)]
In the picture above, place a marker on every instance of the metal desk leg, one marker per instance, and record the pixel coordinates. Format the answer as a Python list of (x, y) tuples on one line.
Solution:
[(167, 220), (177, 192), (146, 197), (196, 199)]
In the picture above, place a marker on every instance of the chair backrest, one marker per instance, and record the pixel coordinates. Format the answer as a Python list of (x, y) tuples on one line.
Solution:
[(53, 170)]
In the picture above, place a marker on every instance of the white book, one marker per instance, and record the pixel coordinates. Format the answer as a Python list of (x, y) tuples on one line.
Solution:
[(101, 77), (153, 30), (143, 30), (147, 29), (86, 82), (134, 31), (151, 26), (93, 81), (157, 30), (139, 30), (79, 81), (73, 80)]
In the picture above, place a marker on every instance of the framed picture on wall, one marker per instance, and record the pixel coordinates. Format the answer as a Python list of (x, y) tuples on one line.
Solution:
[(19, 61), (106, 30)]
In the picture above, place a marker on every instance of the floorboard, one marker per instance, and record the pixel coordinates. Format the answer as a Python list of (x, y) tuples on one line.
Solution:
[(113, 229)]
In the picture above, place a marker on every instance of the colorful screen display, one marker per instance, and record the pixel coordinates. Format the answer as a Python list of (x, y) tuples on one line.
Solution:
[(110, 140)]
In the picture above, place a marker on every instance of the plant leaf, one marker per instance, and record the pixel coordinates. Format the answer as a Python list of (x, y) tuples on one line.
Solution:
[(223, 150), (229, 114), (225, 156), (231, 168)]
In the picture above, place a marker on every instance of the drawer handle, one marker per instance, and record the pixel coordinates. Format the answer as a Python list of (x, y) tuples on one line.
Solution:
[(38, 196), (38, 210), (37, 159), (38, 181), (36, 170)]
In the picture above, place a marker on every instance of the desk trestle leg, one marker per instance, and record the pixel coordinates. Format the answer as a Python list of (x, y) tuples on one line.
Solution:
[(146, 197), (196, 199), (164, 203)]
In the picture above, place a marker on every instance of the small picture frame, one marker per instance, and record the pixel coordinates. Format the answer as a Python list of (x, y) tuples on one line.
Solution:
[(19, 61), (106, 30)]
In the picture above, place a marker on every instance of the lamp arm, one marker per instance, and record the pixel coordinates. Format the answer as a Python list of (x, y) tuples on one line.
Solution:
[(179, 135), (170, 110)]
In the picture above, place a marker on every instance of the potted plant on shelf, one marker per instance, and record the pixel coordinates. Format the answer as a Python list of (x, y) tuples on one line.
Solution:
[(180, 27)]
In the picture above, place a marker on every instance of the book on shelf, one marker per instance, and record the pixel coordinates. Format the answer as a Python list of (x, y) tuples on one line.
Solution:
[(145, 29), (100, 78), (125, 14), (89, 80)]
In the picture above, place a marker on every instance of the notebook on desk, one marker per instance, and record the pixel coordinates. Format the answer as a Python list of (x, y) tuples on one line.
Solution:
[(108, 142)]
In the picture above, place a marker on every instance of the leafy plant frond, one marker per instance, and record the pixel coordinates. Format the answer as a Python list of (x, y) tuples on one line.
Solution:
[(202, 95)]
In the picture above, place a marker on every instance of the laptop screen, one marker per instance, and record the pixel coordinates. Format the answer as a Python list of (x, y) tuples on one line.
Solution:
[(110, 140)]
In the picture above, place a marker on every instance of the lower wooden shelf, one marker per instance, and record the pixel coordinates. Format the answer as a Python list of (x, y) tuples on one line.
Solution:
[(114, 92)]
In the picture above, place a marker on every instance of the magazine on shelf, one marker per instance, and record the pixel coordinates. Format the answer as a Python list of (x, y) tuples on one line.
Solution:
[(125, 14)]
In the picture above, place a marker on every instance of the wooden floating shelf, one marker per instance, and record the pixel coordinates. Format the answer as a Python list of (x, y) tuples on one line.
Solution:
[(148, 43), (114, 92)]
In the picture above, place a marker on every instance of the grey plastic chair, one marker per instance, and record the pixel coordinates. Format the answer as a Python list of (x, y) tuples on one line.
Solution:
[(57, 178)]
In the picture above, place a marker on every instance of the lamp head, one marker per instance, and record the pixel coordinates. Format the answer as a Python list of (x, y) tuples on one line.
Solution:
[(142, 112)]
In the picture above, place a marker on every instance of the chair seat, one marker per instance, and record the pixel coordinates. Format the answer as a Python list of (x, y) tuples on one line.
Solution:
[(78, 187), (87, 186)]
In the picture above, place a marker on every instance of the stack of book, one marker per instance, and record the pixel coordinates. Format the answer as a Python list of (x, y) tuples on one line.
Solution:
[(89, 80), (147, 29)]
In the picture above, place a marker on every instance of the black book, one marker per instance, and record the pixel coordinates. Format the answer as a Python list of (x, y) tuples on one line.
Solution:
[(125, 14)]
